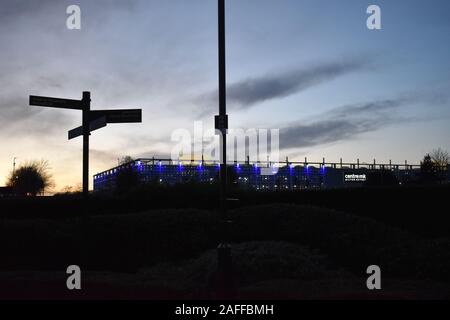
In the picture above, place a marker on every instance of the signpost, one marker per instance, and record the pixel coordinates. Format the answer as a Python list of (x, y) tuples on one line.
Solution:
[(56, 103), (91, 120), (93, 125), (118, 116)]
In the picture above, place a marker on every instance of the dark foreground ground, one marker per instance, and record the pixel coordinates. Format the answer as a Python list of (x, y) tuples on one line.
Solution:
[(280, 251)]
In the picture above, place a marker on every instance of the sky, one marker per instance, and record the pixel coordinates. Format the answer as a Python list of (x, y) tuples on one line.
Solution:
[(310, 68)]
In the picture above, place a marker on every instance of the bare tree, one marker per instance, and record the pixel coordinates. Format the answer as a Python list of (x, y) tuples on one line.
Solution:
[(67, 189), (125, 160), (31, 178), (440, 158), (78, 188)]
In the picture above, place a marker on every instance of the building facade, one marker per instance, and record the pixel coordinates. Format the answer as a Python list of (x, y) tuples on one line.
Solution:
[(286, 176)]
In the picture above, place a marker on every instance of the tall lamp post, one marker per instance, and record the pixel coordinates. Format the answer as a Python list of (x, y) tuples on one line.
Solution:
[(221, 121), (14, 167), (221, 124)]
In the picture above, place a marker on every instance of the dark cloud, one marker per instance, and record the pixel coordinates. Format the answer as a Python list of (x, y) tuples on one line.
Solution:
[(105, 157), (18, 118), (14, 8), (368, 108), (342, 123), (248, 92)]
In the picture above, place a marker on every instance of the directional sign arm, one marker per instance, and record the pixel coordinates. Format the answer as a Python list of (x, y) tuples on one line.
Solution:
[(93, 125), (99, 119), (56, 102), (118, 115)]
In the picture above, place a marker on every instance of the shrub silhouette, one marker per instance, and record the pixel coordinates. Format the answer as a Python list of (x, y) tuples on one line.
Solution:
[(31, 178), (127, 179), (428, 171)]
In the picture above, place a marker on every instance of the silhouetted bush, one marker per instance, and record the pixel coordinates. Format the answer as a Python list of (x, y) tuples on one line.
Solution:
[(428, 171), (127, 179), (381, 178), (31, 178)]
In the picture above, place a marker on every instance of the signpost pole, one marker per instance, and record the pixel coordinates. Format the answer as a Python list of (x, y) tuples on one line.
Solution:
[(86, 132), (86, 103)]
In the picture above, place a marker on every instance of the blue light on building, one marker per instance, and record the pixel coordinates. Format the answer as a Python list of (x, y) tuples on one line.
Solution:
[(286, 176)]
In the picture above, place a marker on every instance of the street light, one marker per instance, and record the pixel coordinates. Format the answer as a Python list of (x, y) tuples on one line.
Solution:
[(14, 166), (221, 124)]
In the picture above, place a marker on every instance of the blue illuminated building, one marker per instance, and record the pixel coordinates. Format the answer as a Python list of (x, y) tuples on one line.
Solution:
[(247, 175)]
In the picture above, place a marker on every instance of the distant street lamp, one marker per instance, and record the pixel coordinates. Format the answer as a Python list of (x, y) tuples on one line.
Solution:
[(14, 167)]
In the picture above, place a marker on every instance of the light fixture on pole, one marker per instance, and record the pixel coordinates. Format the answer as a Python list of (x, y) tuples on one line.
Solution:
[(14, 167)]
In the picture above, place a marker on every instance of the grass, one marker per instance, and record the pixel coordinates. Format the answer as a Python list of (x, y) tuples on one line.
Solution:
[(279, 250), (135, 241), (417, 209)]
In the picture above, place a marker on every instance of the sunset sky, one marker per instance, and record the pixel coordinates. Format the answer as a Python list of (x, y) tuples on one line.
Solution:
[(308, 67)]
